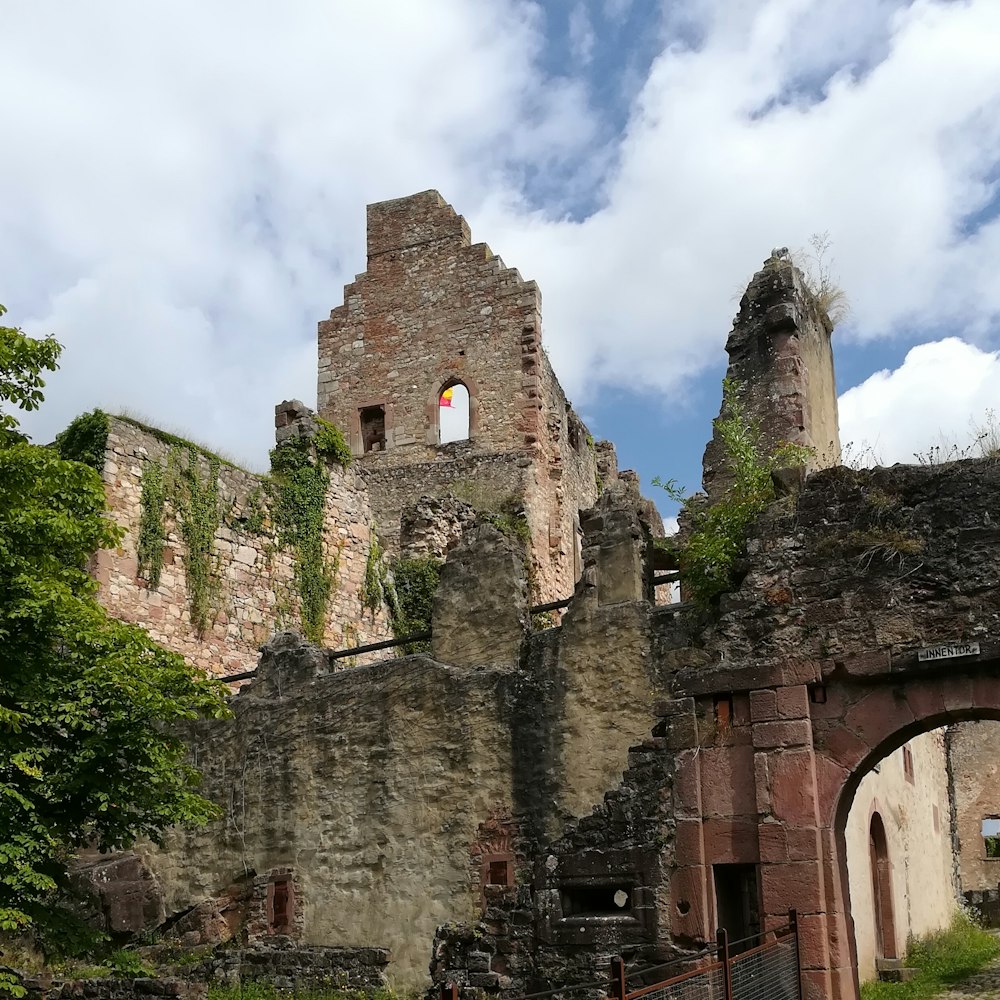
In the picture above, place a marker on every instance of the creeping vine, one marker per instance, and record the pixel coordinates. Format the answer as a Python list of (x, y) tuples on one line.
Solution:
[(709, 558), (415, 582), (297, 488), (199, 518), (151, 504)]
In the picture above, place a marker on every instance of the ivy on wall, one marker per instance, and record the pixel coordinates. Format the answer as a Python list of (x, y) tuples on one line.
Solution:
[(297, 489), (331, 444), (414, 583), (198, 518), (151, 530), (291, 500), (377, 587)]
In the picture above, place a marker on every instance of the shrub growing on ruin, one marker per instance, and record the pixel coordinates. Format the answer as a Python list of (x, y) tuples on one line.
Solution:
[(85, 439), (415, 582), (717, 540)]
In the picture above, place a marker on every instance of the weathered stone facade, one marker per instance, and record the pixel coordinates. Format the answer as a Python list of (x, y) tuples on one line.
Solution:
[(433, 310), (625, 782), (254, 578), (372, 788), (780, 358), (974, 777)]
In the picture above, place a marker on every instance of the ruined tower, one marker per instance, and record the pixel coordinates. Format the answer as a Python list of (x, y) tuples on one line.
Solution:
[(781, 357), (434, 311)]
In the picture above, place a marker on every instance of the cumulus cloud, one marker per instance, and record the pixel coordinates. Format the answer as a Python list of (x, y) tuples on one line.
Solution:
[(943, 396), (184, 183)]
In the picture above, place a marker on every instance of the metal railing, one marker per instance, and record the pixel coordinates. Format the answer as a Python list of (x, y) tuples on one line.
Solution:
[(764, 967)]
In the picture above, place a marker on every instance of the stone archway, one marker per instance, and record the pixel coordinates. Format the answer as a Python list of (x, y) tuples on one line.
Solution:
[(768, 760)]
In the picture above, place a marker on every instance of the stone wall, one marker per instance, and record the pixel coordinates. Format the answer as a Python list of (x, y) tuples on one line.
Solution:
[(114, 988), (384, 794), (912, 805), (974, 764), (253, 578), (289, 966)]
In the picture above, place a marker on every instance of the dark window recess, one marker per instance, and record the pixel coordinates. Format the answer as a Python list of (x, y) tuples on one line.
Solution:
[(609, 900), (373, 428), (724, 711), (908, 764), (499, 873), (281, 908), (737, 903)]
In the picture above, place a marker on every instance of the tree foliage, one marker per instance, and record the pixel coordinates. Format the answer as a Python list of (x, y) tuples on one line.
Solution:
[(88, 705), (22, 361), (717, 539)]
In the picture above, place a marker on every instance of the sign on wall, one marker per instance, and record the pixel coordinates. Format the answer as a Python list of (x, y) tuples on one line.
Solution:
[(948, 651)]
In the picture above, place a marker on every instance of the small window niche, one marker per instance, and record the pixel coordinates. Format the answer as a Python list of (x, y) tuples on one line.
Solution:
[(908, 764), (991, 837), (453, 413), (280, 906), (496, 874), (372, 419)]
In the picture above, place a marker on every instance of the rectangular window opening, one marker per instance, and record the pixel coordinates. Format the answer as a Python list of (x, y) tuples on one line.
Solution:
[(372, 428), (280, 915), (724, 711), (991, 837), (499, 873), (908, 764), (609, 899)]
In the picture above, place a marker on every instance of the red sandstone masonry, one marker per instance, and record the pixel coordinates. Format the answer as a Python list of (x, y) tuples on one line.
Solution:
[(432, 309)]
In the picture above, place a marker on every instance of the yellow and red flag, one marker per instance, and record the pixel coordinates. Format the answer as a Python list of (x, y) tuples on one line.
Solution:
[(445, 399)]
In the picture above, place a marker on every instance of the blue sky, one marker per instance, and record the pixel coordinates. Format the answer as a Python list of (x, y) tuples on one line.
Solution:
[(184, 190)]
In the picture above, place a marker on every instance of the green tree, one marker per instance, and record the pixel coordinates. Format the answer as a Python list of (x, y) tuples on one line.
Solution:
[(88, 705)]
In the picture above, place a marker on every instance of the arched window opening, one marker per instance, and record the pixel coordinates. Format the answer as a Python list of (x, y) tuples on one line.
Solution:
[(453, 413)]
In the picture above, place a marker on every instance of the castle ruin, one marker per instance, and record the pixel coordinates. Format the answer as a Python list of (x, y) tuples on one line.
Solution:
[(515, 804)]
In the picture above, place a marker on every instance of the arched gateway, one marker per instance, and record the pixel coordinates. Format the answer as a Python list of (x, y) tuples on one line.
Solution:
[(767, 764)]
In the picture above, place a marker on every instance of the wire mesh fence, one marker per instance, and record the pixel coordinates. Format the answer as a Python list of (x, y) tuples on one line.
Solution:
[(765, 967), (706, 983), (768, 972)]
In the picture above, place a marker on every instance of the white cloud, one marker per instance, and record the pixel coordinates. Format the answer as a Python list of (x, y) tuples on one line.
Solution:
[(184, 183), (935, 399)]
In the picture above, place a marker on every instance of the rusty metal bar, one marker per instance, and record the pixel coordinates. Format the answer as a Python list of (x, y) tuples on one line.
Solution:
[(373, 647), (722, 940), (551, 606), (793, 924), (449, 991), (617, 978)]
